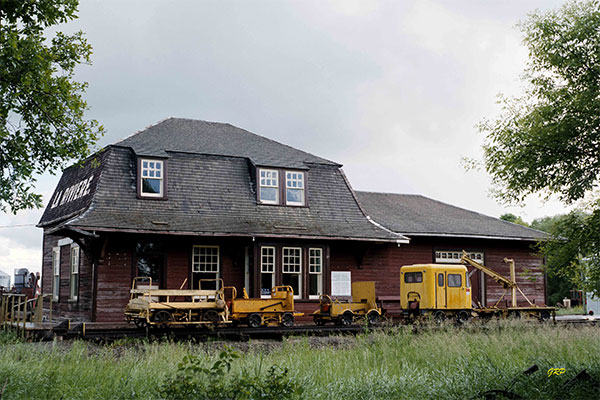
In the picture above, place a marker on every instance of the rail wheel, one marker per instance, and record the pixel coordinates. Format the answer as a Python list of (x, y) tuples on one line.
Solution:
[(287, 320), (254, 320), (373, 318), (139, 322), (347, 318), (319, 321), (514, 314), (213, 317), (439, 316), (163, 318), (544, 315), (463, 317)]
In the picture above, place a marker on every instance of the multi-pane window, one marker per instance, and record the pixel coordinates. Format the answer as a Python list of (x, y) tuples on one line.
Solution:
[(205, 265), (152, 178), (453, 257), (55, 273), (294, 188), (291, 268), (267, 270), (315, 273), (74, 281), (269, 186)]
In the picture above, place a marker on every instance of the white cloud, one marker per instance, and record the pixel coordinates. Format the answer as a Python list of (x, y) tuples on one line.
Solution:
[(14, 255), (391, 89)]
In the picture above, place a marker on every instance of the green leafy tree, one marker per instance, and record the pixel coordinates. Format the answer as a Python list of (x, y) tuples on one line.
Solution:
[(548, 140), (42, 122), (515, 219), (572, 252), (561, 280)]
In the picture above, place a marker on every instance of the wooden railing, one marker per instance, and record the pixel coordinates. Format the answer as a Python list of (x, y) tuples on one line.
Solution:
[(16, 310)]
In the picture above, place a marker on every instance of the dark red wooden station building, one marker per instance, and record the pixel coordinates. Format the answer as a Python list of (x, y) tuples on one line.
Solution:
[(185, 200)]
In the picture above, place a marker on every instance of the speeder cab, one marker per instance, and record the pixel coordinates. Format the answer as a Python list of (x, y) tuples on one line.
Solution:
[(441, 289)]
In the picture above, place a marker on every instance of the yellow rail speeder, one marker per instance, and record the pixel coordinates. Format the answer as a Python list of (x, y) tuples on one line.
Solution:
[(148, 306), (362, 306), (440, 290), (276, 310)]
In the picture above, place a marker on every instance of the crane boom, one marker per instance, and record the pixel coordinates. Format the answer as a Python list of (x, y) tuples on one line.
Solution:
[(506, 283)]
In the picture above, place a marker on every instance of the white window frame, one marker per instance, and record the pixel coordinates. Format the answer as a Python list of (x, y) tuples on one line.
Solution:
[(312, 271), (299, 272), (196, 265), (271, 269), (300, 185), (265, 182), (75, 257), (453, 256), (145, 173), (55, 273)]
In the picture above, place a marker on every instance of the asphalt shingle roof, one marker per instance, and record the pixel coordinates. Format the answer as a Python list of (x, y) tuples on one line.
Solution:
[(204, 137), (416, 215)]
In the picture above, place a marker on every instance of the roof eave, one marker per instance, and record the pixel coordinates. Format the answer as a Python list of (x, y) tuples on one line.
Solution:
[(399, 240), (471, 236)]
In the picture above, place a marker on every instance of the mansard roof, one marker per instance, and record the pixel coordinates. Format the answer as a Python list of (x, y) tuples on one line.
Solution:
[(209, 194), (204, 137), (415, 215)]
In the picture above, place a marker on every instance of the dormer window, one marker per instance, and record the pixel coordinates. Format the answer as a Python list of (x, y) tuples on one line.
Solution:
[(152, 177), (269, 186), (294, 188), (281, 187)]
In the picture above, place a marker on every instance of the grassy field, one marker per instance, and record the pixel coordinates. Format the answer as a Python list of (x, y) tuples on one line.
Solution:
[(571, 311), (447, 362)]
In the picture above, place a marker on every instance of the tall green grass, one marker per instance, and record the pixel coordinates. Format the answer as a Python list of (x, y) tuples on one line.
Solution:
[(571, 311), (444, 362)]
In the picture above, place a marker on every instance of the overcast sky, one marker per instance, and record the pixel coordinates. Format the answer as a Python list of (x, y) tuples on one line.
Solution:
[(391, 89)]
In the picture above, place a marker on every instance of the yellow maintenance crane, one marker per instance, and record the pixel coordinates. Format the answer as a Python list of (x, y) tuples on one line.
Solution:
[(533, 310)]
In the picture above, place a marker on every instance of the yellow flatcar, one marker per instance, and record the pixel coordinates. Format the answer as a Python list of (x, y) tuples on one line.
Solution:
[(441, 290)]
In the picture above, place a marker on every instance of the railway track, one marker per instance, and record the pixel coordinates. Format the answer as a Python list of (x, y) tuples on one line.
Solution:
[(110, 332), (99, 332)]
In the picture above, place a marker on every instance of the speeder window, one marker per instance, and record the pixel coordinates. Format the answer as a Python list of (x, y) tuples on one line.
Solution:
[(454, 280), (413, 277)]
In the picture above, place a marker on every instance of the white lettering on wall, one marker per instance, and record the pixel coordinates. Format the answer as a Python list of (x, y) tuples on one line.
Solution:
[(73, 192)]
